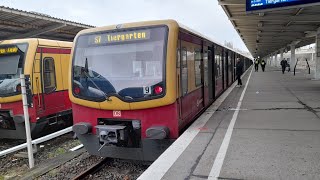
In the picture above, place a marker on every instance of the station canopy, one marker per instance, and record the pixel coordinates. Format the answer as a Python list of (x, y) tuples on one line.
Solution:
[(267, 32), (16, 24)]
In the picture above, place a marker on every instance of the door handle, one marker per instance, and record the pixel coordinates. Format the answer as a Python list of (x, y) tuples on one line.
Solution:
[(38, 94)]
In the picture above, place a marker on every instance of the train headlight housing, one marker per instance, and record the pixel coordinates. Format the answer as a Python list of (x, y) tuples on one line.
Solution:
[(158, 90)]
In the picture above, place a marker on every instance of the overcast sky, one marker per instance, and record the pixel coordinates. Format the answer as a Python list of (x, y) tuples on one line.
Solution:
[(204, 16)]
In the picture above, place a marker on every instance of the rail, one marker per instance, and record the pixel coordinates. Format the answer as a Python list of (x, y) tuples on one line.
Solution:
[(92, 169)]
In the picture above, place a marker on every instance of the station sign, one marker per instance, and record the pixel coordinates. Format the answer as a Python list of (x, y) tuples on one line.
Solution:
[(267, 5)]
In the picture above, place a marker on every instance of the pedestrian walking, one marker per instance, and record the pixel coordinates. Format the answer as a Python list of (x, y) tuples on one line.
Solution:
[(263, 65), (256, 65), (288, 66), (283, 64), (239, 71)]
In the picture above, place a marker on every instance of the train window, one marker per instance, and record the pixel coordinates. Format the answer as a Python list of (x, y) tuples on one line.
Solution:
[(198, 68), (184, 71), (49, 75)]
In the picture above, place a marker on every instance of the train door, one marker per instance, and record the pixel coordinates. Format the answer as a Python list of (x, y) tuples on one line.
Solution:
[(185, 109), (218, 70), (211, 74), (230, 68), (179, 81), (198, 73), (234, 66), (225, 69), (53, 98), (36, 83), (206, 92)]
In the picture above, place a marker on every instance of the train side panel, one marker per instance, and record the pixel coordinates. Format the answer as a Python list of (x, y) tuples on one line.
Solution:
[(47, 63)]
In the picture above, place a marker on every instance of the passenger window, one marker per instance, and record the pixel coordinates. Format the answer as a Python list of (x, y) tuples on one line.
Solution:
[(49, 75), (184, 71), (198, 68)]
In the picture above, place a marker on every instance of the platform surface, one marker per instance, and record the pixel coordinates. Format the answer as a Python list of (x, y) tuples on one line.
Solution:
[(276, 134)]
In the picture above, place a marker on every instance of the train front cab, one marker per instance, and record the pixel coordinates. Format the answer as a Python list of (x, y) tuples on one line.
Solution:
[(47, 63), (114, 113)]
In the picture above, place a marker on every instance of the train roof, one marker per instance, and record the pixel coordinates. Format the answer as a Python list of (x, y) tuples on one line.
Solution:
[(156, 22), (209, 39), (38, 41)]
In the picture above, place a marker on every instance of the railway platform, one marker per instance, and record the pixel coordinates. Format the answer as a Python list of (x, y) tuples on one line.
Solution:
[(267, 129)]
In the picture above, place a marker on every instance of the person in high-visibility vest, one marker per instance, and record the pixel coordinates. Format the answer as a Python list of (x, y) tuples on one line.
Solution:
[(256, 65), (263, 65)]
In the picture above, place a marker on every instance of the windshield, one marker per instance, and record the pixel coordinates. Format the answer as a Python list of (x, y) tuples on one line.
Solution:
[(128, 64), (11, 66)]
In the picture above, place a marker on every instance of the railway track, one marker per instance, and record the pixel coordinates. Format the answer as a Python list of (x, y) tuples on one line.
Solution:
[(92, 169)]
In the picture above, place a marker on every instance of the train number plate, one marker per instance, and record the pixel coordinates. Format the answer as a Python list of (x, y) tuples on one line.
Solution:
[(146, 90), (116, 113)]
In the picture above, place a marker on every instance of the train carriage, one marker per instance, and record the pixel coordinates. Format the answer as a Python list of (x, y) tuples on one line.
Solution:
[(135, 87), (47, 63)]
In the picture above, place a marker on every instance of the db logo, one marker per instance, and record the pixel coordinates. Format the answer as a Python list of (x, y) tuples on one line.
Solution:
[(116, 113)]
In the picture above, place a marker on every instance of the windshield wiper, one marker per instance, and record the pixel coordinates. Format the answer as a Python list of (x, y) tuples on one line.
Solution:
[(86, 69)]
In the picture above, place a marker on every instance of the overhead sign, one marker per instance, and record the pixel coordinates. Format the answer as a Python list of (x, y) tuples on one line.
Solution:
[(255, 5), (124, 36)]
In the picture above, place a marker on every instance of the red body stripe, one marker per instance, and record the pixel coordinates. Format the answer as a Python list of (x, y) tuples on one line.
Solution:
[(54, 50), (55, 102), (159, 116)]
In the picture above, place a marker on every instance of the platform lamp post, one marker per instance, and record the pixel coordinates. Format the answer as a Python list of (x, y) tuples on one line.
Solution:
[(27, 102)]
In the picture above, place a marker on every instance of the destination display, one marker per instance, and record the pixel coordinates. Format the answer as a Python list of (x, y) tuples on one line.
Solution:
[(254, 5), (8, 50), (125, 36)]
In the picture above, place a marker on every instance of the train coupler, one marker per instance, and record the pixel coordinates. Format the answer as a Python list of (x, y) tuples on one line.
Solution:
[(112, 135)]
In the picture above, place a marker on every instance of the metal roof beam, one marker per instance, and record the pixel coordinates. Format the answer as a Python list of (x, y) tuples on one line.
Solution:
[(232, 3), (277, 28), (41, 17), (272, 34), (311, 34), (38, 32), (278, 18)]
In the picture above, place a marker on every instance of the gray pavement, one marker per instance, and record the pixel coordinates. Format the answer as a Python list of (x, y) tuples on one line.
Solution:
[(276, 135)]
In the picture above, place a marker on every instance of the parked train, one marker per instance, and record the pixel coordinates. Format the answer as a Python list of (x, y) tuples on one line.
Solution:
[(135, 87), (47, 63)]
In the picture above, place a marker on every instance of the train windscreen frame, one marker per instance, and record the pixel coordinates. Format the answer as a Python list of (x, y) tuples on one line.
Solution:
[(12, 59), (134, 64), (256, 5)]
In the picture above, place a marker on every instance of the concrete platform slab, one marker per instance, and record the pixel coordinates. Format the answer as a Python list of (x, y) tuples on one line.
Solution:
[(273, 154), (276, 134)]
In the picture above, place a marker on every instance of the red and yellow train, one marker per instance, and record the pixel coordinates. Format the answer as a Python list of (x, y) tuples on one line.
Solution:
[(134, 87), (47, 63)]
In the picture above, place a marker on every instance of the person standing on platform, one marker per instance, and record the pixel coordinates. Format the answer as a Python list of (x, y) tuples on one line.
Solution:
[(283, 64), (256, 65), (263, 65), (239, 71)]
